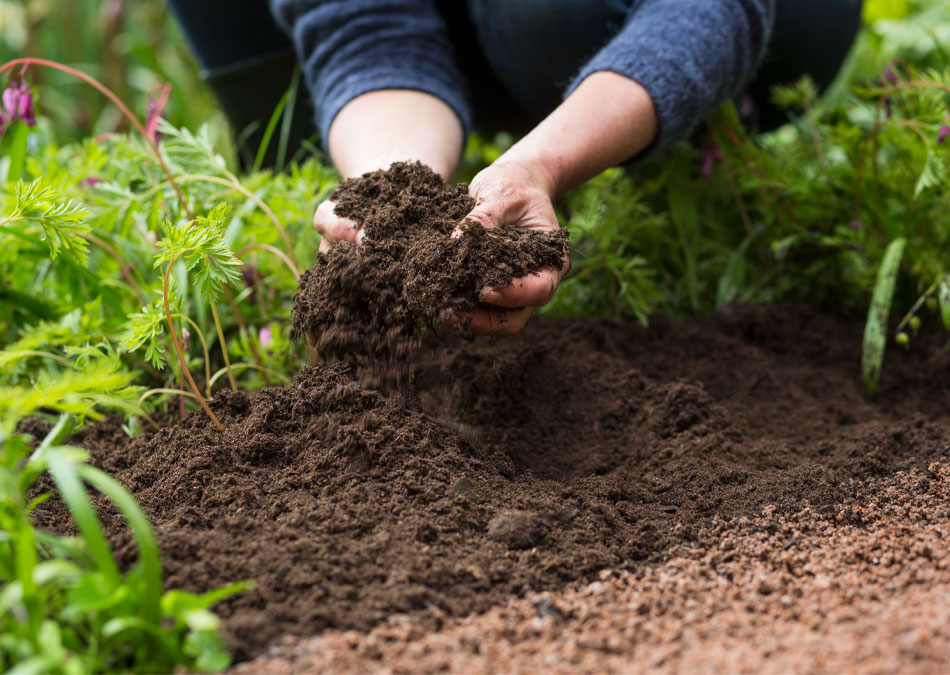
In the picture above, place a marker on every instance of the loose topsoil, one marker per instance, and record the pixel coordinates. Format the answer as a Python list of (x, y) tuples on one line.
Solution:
[(522, 465), (419, 258)]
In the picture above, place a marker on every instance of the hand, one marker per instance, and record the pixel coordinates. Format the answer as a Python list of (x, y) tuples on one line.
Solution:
[(333, 228), (513, 193)]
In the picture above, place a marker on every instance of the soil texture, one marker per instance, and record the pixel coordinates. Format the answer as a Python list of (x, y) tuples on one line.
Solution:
[(574, 447), (866, 591), (419, 257), (515, 467)]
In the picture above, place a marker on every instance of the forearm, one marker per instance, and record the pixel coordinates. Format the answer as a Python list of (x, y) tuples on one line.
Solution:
[(607, 119), (378, 128)]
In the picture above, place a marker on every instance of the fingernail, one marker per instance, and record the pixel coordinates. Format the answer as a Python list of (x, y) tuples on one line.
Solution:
[(359, 235)]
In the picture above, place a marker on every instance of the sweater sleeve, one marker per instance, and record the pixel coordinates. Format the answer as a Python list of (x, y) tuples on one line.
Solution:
[(690, 55), (352, 47)]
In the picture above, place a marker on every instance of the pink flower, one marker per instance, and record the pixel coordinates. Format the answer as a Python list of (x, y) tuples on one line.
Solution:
[(185, 339), (17, 102), (709, 157), (265, 336), (942, 133)]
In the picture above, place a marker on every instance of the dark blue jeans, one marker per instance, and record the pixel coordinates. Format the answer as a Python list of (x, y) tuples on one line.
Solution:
[(517, 55)]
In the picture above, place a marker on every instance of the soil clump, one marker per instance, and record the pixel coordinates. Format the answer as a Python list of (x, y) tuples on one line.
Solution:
[(375, 300)]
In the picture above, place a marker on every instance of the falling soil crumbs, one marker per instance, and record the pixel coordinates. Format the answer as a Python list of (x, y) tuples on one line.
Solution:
[(586, 495)]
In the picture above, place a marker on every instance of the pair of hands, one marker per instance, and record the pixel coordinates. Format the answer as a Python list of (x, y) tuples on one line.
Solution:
[(506, 193)]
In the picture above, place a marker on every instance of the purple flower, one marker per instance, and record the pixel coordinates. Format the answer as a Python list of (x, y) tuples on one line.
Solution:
[(942, 133), (890, 75), (18, 104), (709, 157), (91, 181), (265, 336), (856, 224)]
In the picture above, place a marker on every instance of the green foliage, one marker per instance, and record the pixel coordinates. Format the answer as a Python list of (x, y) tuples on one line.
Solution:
[(65, 606), (59, 219), (806, 213), (875, 330), (201, 242), (147, 327)]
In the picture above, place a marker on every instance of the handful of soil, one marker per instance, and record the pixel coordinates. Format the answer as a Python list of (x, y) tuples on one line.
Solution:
[(376, 300)]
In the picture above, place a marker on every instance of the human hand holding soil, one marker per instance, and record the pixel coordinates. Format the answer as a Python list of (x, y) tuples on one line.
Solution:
[(333, 228), (517, 194)]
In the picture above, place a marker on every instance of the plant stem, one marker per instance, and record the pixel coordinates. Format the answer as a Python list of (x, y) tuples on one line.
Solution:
[(204, 348), (224, 349), (108, 93), (178, 349), (254, 366), (34, 352), (276, 251), (163, 390)]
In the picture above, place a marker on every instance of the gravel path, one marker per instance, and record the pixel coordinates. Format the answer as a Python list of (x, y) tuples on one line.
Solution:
[(866, 590)]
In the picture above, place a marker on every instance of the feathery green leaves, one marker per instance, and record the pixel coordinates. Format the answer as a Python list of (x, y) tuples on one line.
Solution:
[(200, 244), (60, 219)]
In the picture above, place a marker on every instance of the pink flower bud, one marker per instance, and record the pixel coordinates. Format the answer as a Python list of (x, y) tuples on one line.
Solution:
[(185, 338), (17, 102), (265, 336), (25, 106), (10, 99)]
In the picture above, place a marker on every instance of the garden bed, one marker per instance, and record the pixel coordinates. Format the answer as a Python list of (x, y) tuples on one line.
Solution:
[(523, 465)]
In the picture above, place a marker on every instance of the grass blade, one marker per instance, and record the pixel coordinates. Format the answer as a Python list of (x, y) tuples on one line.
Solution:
[(875, 330), (74, 494), (943, 297), (142, 531)]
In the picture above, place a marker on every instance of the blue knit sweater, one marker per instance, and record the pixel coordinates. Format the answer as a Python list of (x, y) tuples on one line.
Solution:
[(690, 55)]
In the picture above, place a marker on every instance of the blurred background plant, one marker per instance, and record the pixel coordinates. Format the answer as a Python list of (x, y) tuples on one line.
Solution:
[(131, 47)]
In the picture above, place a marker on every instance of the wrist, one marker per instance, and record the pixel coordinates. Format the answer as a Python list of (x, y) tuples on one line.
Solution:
[(534, 169)]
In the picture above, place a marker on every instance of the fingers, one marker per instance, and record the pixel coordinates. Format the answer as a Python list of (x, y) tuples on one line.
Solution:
[(333, 228), (533, 290), (499, 322)]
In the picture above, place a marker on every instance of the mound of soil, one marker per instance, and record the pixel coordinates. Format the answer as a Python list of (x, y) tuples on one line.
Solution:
[(375, 299)]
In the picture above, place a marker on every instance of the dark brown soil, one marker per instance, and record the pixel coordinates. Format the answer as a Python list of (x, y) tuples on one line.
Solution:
[(592, 445), (519, 465), (375, 300)]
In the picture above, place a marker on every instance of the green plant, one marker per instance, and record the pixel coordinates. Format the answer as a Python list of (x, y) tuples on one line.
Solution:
[(65, 606)]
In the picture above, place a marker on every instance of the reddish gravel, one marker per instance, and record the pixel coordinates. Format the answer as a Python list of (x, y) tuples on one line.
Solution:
[(864, 590)]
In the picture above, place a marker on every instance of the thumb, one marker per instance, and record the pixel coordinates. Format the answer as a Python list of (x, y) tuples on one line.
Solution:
[(484, 214)]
